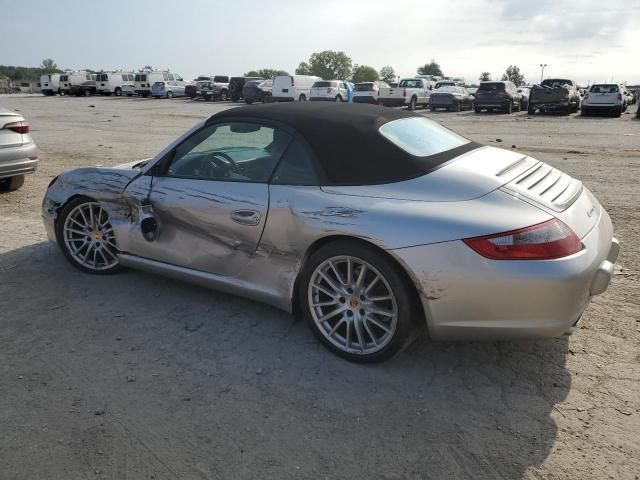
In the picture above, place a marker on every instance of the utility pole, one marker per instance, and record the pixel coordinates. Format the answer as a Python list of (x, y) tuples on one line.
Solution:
[(542, 66)]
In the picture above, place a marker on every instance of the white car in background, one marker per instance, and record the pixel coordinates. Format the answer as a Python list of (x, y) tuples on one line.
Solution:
[(604, 97), (108, 83), (328, 91), (18, 155), (293, 88), (410, 92), (367, 92)]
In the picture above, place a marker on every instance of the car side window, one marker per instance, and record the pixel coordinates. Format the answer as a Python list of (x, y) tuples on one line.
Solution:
[(233, 151), (171, 77), (296, 166)]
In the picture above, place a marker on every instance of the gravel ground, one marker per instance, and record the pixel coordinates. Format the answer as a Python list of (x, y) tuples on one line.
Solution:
[(134, 376)]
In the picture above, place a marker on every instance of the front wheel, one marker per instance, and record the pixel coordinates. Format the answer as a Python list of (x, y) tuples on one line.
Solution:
[(85, 236), (118, 92), (169, 95), (356, 301)]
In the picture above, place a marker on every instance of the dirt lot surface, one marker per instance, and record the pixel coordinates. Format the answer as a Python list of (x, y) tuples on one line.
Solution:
[(134, 376)]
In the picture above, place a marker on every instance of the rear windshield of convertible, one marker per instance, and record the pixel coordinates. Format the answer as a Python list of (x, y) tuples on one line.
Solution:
[(421, 137)]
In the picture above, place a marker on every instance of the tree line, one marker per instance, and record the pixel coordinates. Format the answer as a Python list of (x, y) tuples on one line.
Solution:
[(29, 73)]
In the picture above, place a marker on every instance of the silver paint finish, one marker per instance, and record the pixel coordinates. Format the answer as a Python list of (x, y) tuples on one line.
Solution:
[(418, 222)]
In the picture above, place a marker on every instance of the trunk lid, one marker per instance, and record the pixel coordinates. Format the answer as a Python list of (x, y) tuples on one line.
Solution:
[(9, 138)]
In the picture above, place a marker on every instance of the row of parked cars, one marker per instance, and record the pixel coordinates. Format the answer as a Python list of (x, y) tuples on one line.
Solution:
[(551, 95)]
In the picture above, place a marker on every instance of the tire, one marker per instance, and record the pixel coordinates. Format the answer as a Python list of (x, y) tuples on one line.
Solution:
[(457, 107), (169, 95), (531, 110), (61, 93), (412, 104), (87, 93), (509, 108), (248, 102), (338, 98), (224, 96), (302, 98), (618, 112), (477, 109), (118, 92), (584, 112), (385, 324), (73, 238), (433, 109), (12, 183)]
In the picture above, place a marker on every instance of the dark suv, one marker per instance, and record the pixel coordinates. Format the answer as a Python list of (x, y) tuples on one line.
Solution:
[(236, 84), (501, 96)]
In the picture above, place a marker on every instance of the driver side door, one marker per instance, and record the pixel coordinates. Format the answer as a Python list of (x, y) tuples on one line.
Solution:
[(211, 197)]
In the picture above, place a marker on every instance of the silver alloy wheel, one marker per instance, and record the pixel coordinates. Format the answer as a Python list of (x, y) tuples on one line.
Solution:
[(352, 305), (88, 236)]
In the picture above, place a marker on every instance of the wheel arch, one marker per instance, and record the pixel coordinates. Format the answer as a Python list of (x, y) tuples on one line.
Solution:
[(405, 271)]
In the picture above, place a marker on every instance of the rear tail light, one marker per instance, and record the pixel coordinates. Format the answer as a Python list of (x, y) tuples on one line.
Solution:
[(544, 241), (404, 92), (619, 96), (293, 82), (19, 127)]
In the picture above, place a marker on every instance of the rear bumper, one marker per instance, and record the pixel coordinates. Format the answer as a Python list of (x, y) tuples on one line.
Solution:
[(556, 105), (466, 296), (18, 161), (602, 108), (322, 99), (491, 103), (282, 99), (393, 102), (365, 99)]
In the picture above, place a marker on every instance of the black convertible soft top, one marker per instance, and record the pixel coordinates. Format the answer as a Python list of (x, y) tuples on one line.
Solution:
[(346, 140)]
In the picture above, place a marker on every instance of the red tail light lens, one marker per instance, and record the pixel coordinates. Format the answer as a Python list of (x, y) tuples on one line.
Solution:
[(404, 92), (619, 96), (19, 127), (544, 241)]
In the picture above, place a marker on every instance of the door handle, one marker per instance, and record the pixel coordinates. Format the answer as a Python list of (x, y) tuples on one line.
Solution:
[(246, 217)]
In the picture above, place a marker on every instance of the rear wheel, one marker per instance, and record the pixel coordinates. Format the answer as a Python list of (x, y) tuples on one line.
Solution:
[(618, 112), (356, 301), (87, 93), (433, 109), (224, 95), (169, 95), (477, 109), (412, 103), (118, 92), (247, 101), (584, 112), (12, 183), (86, 238), (338, 98), (302, 98), (509, 108), (531, 110), (456, 107)]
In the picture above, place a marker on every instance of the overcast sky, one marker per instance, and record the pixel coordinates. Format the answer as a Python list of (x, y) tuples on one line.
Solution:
[(584, 40)]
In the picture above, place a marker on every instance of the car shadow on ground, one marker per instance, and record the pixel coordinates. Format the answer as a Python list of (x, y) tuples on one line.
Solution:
[(210, 379)]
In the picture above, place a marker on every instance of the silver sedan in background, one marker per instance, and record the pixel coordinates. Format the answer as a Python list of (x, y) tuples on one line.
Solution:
[(367, 222), (18, 155)]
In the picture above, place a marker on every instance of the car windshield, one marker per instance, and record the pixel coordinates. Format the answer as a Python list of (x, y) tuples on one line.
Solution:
[(410, 84), (555, 83), (324, 84), (421, 137), (492, 87), (449, 89), (364, 87), (604, 89)]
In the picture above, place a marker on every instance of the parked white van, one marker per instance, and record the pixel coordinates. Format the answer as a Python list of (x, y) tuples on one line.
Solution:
[(64, 84), (108, 83), (293, 88), (145, 79), (50, 84)]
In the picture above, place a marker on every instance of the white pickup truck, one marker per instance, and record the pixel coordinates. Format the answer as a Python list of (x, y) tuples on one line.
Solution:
[(410, 92)]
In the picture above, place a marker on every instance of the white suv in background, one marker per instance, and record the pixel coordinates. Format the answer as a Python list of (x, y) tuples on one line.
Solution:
[(328, 91), (367, 92), (604, 97)]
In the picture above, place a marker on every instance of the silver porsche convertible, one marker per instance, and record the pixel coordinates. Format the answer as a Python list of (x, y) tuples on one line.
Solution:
[(367, 222)]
